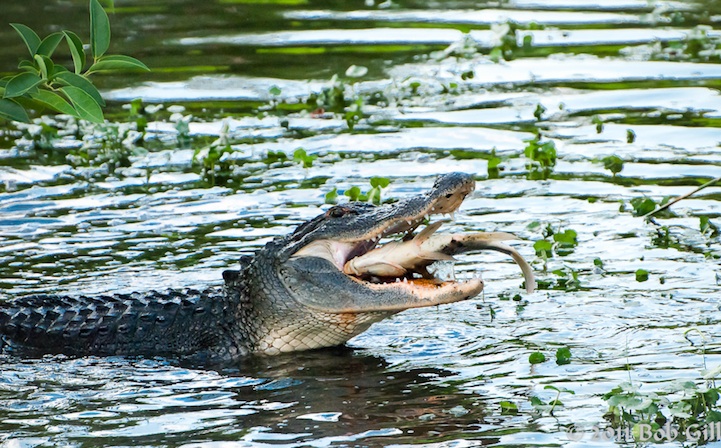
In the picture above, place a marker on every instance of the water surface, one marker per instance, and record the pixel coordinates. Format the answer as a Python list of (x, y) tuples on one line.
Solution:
[(120, 211)]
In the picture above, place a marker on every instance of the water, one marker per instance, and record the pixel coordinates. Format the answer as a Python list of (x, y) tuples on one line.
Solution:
[(634, 79)]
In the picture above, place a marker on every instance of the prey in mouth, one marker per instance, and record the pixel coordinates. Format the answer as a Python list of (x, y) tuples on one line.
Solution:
[(411, 257), (394, 276)]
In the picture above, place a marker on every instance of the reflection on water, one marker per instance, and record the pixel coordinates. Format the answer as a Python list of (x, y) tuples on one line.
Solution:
[(634, 79), (352, 397)]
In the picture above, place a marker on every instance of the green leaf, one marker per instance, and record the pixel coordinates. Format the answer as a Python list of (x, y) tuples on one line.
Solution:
[(381, 182), (300, 155), (704, 223), (536, 358), (30, 37), (508, 407), (53, 101), (538, 113), (117, 62), (707, 227), (41, 66), (642, 206), (72, 79), (21, 83), (99, 29), (13, 111), (76, 50), (613, 163), (86, 106), (353, 193), (59, 69), (563, 356), (630, 136), (271, 157), (559, 389), (494, 161), (374, 195), (46, 66), (136, 108), (711, 395), (331, 196), (28, 66), (568, 238), (496, 54), (641, 275), (49, 44), (543, 247)]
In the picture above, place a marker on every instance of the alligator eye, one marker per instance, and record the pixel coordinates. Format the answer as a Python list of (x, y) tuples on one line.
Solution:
[(338, 211), (448, 196)]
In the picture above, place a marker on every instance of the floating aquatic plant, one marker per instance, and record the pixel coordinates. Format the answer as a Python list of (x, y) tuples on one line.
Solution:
[(549, 406), (613, 163), (542, 158)]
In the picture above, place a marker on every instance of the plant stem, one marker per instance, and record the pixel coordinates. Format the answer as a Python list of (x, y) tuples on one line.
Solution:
[(683, 196), (555, 401)]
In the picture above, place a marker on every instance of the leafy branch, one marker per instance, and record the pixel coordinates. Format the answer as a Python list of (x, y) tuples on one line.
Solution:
[(43, 84)]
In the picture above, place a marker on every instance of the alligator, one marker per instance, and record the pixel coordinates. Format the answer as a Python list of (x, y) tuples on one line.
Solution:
[(291, 295)]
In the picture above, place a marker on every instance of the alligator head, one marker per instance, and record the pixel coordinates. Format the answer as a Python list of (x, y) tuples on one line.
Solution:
[(309, 301)]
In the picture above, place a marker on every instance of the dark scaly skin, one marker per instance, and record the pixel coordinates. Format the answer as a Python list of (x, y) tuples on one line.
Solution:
[(186, 324), (281, 300)]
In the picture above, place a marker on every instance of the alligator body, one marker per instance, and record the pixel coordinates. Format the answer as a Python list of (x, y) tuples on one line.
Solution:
[(291, 295)]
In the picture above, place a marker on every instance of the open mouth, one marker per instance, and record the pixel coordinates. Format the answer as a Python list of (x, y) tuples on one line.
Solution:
[(396, 264), (402, 265), (349, 271), (343, 254)]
